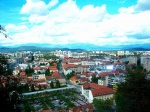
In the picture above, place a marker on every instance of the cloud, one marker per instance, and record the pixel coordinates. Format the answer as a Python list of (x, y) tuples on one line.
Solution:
[(37, 19), (34, 7), (52, 3), (67, 23), (14, 28), (37, 7), (142, 5)]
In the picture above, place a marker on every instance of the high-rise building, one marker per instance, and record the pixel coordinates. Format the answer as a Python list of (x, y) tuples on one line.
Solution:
[(120, 53), (132, 59), (146, 64)]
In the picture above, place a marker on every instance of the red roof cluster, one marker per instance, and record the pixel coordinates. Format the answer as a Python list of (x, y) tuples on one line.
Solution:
[(56, 75), (69, 66), (98, 90), (22, 73), (53, 68), (103, 74), (83, 108), (103, 91)]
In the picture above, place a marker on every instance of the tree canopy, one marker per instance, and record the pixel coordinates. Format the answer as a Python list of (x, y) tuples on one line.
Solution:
[(103, 105), (133, 94), (4, 67)]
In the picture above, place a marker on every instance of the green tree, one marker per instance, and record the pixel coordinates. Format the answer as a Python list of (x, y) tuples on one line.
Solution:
[(47, 72), (69, 75), (39, 86), (29, 71), (9, 88), (4, 67), (103, 105), (26, 88), (57, 84), (133, 94), (52, 84), (94, 79), (32, 87), (99, 105)]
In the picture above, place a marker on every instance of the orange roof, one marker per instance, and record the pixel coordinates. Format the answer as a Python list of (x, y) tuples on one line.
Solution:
[(85, 73), (103, 91), (97, 89), (29, 78), (53, 68), (69, 66), (117, 63), (73, 78), (22, 73), (46, 111), (82, 108), (56, 75), (66, 57), (103, 74), (36, 68), (93, 86), (39, 80)]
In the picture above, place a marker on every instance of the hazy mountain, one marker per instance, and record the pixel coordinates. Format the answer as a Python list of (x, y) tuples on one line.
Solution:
[(73, 47)]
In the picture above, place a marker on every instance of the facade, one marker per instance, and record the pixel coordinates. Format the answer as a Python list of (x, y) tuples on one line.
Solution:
[(146, 64), (120, 53), (132, 59), (93, 90), (142, 59), (38, 76)]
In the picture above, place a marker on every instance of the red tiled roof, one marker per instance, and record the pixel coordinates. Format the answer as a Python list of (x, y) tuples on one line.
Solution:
[(69, 66), (98, 90), (22, 73), (84, 80), (93, 86), (103, 74), (36, 68), (83, 108), (102, 91), (56, 75), (39, 80), (66, 57), (53, 68), (73, 78), (106, 62), (29, 78), (85, 73), (117, 63), (46, 111)]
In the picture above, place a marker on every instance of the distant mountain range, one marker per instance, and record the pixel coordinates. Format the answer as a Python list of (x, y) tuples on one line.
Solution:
[(73, 47)]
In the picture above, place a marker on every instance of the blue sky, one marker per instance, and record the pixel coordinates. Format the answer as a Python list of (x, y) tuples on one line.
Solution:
[(99, 22)]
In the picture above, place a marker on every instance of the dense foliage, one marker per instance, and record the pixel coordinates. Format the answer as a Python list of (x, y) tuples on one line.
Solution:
[(4, 67), (133, 95), (104, 105), (9, 88)]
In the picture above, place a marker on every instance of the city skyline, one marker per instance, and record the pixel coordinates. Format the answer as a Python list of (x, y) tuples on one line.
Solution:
[(98, 22)]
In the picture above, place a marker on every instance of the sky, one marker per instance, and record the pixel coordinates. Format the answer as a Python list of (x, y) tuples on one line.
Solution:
[(98, 22)]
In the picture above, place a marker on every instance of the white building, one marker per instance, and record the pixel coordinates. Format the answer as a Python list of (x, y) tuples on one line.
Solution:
[(132, 59), (146, 64), (93, 90)]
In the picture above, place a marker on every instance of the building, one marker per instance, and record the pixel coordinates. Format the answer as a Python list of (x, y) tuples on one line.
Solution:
[(146, 64), (38, 76), (93, 90), (132, 59), (142, 59), (120, 53)]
